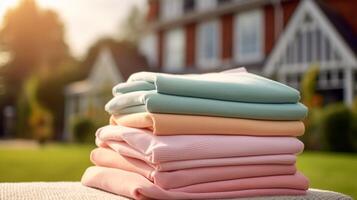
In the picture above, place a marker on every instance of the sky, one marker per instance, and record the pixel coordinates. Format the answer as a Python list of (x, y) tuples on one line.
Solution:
[(85, 20)]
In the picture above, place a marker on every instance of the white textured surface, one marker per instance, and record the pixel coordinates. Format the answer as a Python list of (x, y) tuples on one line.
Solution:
[(76, 191)]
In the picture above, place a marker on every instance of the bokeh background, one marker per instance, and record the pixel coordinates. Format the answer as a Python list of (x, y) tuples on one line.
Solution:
[(59, 60)]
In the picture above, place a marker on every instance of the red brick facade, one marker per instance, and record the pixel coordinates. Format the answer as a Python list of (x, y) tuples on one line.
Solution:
[(342, 7), (227, 36), (190, 44)]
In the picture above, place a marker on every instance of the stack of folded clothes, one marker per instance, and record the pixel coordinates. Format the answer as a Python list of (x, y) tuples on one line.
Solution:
[(216, 135)]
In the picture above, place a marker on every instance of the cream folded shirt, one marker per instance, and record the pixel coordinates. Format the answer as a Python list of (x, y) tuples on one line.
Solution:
[(171, 124)]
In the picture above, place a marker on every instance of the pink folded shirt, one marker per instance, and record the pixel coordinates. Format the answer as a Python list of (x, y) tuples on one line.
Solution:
[(136, 186), (108, 158), (143, 145), (279, 159)]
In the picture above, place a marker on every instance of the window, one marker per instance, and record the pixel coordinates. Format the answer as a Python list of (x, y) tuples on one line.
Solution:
[(188, 5), (206, 4), (223, 1), (248, 36), (208, 46), (171, 8), (148, 47), (174, 50)]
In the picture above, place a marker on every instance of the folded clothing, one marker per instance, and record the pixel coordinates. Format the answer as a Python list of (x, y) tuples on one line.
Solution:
[(143, 145), (108, 158), (237, 86), (138, 187), (278, 159), (171, 124), (171, 104)]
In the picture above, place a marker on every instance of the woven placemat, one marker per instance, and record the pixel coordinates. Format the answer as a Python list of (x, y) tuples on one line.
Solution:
[(76, 191)]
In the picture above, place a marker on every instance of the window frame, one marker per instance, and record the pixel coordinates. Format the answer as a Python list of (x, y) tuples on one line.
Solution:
[(167, 53), (244, 58), (204, 63)]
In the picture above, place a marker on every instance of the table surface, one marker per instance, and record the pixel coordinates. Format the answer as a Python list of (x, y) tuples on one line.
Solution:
[(75, 190)]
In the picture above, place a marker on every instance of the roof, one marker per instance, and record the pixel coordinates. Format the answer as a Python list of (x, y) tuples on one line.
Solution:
[(125, 56), (335, 28), (345, 29)]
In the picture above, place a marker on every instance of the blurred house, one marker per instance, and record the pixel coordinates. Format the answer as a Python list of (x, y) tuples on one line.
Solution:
[(276, 38), (112, 65)]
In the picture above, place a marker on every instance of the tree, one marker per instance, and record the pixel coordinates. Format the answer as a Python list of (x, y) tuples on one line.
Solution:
[(131, 29), (35, 39)]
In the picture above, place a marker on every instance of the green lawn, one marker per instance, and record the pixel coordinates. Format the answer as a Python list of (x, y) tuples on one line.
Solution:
[(53, 162), (329, 171)]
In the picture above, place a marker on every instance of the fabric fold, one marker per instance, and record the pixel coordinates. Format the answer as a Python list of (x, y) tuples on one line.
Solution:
[(170, 104), (142, 144), (238, 86), (171, 124), (138, 187), (108, 158)]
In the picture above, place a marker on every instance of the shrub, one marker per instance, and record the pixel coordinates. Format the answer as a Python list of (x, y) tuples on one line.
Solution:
[(83, 129), (337, 126)]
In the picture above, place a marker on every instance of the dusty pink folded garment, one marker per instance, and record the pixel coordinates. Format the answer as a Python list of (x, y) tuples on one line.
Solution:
[(142, 144), (171, 124), (138, 187), (108, 158)]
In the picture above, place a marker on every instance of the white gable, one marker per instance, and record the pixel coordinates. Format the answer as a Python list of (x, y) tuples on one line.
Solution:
[(104, 70), (309, 39)]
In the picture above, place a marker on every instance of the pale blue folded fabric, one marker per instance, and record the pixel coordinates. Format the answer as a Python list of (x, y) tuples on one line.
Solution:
[(239, 87), (161, 103)]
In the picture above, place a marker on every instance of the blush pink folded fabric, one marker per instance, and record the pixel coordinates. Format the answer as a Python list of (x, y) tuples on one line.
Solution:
[(136, 186), (171, 124), (279, 159), (108, 158), (143, 145)]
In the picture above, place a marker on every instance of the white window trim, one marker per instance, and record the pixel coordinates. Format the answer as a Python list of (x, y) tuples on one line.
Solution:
[(149, 48), (245, 59), (209, 63), (166, 65), (167, 12), (212, 5)]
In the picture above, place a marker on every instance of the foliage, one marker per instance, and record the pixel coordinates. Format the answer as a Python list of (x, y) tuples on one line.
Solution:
[(337, 127), (32, 53), (132, 28), (308, 86), (51, 91), (33, 117), (312, 138), (83, 129)]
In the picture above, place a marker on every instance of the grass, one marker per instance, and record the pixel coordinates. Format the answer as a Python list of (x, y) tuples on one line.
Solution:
[(330, 171), (53, 162)]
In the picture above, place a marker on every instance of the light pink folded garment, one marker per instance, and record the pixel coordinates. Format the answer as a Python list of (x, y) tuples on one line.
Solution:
[(142, 144), (138, 187), (108, 158), (279, 159), (171, 124)]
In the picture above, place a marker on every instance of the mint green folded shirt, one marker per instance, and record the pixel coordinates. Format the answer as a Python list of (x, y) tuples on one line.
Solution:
[(239, 87), (154, 102)]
